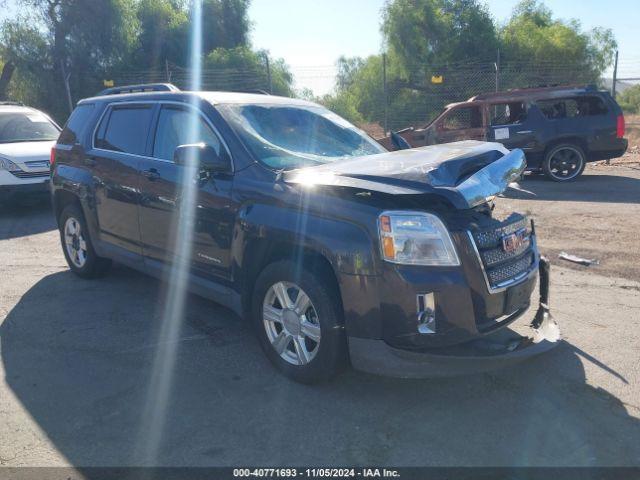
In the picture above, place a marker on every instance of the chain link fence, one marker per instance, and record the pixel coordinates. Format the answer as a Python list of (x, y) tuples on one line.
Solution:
[(389, 103)]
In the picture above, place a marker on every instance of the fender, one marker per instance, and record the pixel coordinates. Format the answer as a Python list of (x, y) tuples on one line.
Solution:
[(348, 247), (80, 183)]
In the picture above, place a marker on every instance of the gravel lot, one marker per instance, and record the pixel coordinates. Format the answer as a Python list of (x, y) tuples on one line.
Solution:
[(76, 358)]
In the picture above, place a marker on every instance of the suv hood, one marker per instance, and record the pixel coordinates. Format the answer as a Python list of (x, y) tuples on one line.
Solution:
[(466, 173)]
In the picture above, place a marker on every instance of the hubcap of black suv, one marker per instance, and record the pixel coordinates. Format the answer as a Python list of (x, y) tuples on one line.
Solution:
[(565, 163), (291, 323)]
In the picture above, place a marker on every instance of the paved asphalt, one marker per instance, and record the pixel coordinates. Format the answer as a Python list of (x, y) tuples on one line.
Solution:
[(76, 361)]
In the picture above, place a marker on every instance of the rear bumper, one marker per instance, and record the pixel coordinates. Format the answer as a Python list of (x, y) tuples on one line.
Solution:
[(496, 350), (616, 149)]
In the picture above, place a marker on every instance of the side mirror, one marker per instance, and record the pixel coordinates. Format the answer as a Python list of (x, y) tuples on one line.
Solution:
[(202, 156), (399, 142)]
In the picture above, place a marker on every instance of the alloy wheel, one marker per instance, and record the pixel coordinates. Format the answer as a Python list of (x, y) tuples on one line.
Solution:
[(291, 323), (75, 242), (565, 163)]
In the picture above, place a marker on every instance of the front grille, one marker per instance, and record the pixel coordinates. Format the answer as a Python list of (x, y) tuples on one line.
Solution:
[(502, 267), (38, 164), (23, 174)]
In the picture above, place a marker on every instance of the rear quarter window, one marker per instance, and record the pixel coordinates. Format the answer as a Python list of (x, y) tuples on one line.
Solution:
[(125, 129), (76, 124), (572, 107)]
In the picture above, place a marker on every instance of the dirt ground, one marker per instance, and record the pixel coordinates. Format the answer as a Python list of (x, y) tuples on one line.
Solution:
[(596, 217), (77, 358)]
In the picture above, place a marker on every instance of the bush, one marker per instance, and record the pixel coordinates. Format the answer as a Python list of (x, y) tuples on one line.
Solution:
[(629, 100)]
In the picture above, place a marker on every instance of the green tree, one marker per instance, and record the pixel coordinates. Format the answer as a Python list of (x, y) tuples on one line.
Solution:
[(421, 34), (243, 69), (629, 100), (67, 41), (128, 41), (551, 50), (225, 24), (458, 40), (162, 34)]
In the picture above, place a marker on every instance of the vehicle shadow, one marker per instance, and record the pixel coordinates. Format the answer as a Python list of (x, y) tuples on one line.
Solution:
[(587, 188), (78, 357), (24, 217)]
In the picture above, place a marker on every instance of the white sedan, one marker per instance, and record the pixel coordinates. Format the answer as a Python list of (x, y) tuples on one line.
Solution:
[(26, 138)]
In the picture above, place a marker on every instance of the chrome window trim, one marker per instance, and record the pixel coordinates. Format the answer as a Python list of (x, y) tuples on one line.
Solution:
[(521, 278), (110, 105)]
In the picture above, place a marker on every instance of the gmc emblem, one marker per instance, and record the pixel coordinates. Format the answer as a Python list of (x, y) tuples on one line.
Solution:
[(514, 241)]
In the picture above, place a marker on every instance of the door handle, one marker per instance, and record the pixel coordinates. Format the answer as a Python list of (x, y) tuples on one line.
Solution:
[(90, 161), (151, 174), (525, 132)]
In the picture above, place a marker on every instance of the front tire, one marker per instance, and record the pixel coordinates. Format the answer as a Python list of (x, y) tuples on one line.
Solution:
[(298, 320), (77, 247), (564, 163)]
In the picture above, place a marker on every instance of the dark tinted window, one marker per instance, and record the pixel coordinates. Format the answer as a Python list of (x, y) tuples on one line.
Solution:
[(76, 124), (580, 106), (174, 129), (126, 130)]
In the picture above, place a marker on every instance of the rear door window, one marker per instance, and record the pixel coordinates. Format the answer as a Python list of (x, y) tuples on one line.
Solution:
[(510, 113), (462, 118), (75, 126), (125, 129)]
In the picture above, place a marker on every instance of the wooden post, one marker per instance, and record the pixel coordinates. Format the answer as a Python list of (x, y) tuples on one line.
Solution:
[(386, 97)]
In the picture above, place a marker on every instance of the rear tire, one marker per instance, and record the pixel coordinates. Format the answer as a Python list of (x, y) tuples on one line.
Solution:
[(77, 247), (305, 338), (564, 162)]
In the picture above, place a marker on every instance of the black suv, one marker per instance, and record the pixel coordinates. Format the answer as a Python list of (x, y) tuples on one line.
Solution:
[(559, 128), (336, 249)]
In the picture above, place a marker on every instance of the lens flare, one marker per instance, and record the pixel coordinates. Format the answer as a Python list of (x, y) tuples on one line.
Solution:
[(161, 380)]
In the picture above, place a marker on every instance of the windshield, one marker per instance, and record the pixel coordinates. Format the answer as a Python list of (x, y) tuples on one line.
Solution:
[(293, 136), (28, 126)]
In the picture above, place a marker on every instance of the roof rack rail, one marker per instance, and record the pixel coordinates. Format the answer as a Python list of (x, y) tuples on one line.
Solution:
[(144, 87), (8, 102), (530, 90)]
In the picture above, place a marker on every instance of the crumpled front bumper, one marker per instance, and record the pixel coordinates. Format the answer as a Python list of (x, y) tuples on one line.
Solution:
[(499, 349)]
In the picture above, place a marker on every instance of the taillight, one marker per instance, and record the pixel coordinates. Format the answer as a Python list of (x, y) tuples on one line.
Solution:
[(52, 157), (620, 126)]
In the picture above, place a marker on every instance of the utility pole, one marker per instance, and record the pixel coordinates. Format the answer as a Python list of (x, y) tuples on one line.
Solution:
[(166, 70), (384, 87), (266, 57), (615, 77), (65, 79), (498, 71)]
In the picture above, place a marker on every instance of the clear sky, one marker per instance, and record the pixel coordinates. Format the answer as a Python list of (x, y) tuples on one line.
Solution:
[(314, 33)]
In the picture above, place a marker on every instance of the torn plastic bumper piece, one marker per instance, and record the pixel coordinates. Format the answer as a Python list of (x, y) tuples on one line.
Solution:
[(499, 349)]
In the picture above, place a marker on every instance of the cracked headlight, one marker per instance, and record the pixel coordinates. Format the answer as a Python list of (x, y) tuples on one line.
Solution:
[(415, 238), (6, 164)]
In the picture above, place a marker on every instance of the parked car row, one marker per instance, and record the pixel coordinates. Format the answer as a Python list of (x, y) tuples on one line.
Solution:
[(335, 249)]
